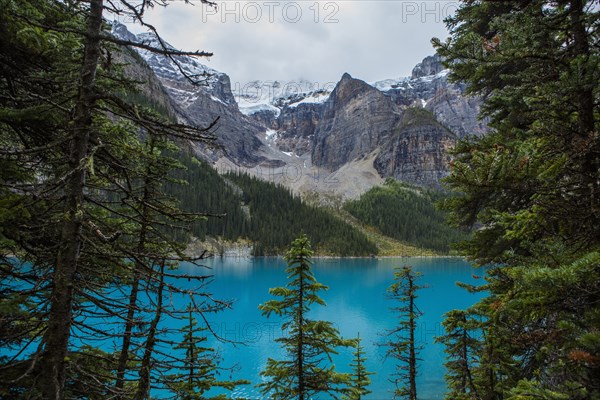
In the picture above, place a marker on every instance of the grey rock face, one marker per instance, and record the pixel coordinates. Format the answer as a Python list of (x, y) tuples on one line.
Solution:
[(417, 151), (407, 121), (267, 118), (406, 126), (458, 112), (356, 119), (297, 126), (431, 65), (201, 102), (430, 88)]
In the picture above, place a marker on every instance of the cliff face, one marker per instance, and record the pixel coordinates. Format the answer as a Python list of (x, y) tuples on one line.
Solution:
[(457, 112), (429, 87), (431, 65), (417, 150), (298, 126), (356, 119)]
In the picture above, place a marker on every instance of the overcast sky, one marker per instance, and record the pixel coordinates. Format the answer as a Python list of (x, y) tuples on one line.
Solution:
[(316, 41)]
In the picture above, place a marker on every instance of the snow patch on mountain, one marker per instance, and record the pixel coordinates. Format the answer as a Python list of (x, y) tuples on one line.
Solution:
[(173, 67), (273, 96), (250, 109), (406, 83), (388, 84), (271, 135)]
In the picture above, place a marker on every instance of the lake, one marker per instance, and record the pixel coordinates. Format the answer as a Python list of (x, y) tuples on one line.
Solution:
[(356, 303)]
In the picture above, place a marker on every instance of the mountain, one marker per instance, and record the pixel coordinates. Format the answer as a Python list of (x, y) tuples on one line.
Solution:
[(417, 149), (201, 103), (428, 87), (337, 140)]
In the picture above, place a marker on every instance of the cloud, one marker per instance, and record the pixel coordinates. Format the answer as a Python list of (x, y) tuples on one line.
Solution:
[(313, 40)]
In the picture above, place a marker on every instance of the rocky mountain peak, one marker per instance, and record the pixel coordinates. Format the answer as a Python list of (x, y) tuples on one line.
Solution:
[(349, 88), (119, 30), (171, 67), (355, 120), (430, 65), (417, 149)]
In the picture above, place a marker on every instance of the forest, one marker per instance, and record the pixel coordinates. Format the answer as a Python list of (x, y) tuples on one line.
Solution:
[(90, 225), (274, 215), (406, 213)]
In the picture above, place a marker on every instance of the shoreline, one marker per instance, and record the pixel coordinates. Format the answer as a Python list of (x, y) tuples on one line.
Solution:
[(347, 257)]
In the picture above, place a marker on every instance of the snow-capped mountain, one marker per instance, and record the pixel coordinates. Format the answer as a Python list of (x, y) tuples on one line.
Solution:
[(201, 100), (427, 87), (273, 96), (422, 85), (341, 138), (169, 67)]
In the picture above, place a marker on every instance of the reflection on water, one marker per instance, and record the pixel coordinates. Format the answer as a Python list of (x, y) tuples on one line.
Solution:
[(356, 303)]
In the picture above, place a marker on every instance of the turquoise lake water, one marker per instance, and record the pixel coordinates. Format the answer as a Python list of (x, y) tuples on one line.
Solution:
[(356, 303)]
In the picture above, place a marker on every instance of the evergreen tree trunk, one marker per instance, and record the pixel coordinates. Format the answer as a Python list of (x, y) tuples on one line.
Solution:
[(124, 354), (401, 340), (191, 355), (585, 98), (465, 360), (412, 354), (129, 323), (582, 48), (491, 375), (359, 376), (143, 389), (300, 348), (309, 344), (56, 338)]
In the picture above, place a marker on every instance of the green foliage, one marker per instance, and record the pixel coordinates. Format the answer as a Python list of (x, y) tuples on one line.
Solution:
[(310, 344), (199, 370), (462, 346), (531, 187), (266, 214), (535, 175), (406, 213), (359, 377), (206, 191), (276, 215), (400, 341), (83, 208)]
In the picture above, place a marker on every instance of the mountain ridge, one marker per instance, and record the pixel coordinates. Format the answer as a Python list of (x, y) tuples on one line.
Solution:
[(272, 129)]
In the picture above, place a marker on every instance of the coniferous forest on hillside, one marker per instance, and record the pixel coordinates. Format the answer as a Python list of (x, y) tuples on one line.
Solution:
[(406, 213), (99, 194), (273, 215)]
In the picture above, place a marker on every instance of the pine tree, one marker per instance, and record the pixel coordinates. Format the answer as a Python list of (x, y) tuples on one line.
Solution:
[(462, 347), (531, 187), (401, 341), (66, 131), (310, 344), (359, 377), (200, 368)]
